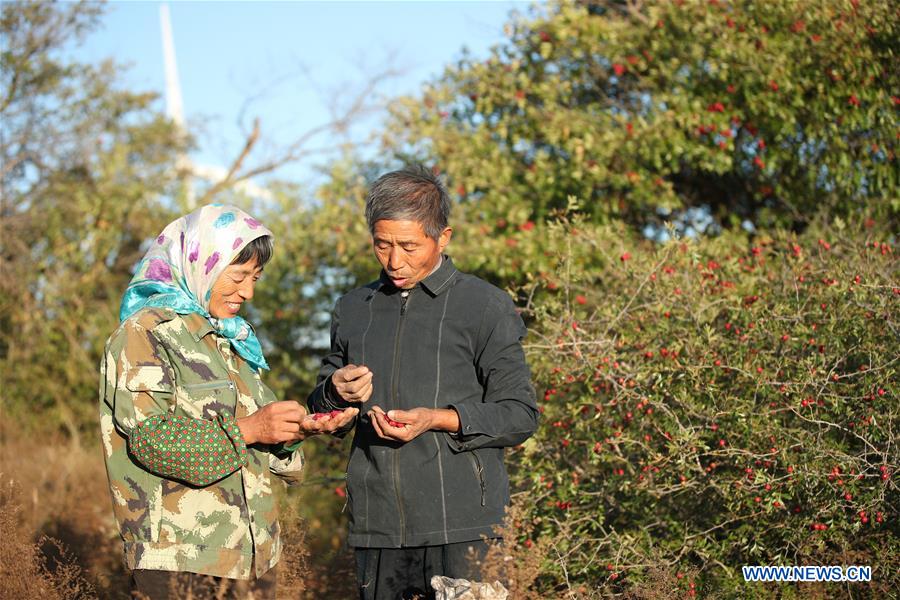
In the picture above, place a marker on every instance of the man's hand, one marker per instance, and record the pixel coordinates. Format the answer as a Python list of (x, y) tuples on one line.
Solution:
[(353, 383), (406, 425), (274, 423)]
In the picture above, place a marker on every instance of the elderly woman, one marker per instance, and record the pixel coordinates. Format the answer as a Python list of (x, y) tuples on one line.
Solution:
[(192, 435)]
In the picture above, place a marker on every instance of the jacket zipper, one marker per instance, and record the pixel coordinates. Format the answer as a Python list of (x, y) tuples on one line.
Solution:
[(479, 472), (404, 298), (210, 385)]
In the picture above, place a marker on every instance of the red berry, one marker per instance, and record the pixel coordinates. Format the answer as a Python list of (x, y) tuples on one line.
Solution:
[(393, 423)]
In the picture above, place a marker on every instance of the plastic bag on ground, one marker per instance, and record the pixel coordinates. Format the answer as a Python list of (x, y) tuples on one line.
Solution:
[(463, 589)]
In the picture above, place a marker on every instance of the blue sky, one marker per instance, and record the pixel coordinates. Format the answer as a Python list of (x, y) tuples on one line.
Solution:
[(295, 56)]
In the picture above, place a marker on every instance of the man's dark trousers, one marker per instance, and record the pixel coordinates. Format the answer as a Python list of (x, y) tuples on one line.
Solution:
[(395, 573)]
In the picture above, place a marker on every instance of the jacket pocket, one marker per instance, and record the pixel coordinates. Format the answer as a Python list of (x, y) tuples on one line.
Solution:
[(353, 478), (147, 378), (348, 502), (478, 470), (207, 399)]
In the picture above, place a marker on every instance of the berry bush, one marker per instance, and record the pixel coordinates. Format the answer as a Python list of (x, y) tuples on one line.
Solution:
[(714, 403)]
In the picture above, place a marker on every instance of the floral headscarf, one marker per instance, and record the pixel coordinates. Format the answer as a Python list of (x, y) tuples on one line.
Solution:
[(183, 263)]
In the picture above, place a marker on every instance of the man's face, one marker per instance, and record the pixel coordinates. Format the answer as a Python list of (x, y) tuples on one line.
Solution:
[(407, 254)]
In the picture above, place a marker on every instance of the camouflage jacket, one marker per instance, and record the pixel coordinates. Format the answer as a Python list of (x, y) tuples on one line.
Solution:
[(187, 492)]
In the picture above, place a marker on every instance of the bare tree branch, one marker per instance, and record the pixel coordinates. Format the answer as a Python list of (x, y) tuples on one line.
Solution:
[(363, 103), (235, 166)]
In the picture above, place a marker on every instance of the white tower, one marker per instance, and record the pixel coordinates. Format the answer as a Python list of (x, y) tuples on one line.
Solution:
[(175, 111)]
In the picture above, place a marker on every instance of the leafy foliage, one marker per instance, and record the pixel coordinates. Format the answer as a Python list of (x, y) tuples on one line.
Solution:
[(742, 111), (85, 167)]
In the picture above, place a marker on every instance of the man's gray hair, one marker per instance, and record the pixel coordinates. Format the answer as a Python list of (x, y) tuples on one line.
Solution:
[(414, 193)]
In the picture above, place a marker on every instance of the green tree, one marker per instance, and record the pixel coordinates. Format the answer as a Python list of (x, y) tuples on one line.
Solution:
[(86, 167), (689, 112)]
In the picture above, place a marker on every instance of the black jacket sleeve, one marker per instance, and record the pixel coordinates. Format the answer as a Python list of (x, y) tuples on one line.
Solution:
[(323, 398), (508, 414)]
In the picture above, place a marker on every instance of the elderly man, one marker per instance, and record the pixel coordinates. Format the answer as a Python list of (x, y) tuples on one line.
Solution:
[(437, 354)]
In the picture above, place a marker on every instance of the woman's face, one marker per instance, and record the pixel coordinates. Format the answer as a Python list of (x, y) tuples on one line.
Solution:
[(233, 287)]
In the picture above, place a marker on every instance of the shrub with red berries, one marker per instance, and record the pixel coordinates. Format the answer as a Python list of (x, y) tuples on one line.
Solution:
[(726, 432)]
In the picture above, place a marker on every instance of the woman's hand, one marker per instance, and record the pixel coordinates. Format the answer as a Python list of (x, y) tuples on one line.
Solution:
[(288, 422), (274, 423), (327, 422)]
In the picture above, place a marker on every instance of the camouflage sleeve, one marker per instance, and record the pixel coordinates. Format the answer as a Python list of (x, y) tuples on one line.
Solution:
[(288, 468), (196, 451)]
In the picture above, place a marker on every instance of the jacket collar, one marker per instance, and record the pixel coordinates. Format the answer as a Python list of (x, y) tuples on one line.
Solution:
[(440, 280), (435, 284)]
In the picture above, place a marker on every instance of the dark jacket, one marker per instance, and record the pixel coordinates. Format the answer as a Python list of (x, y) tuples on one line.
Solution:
[(453, 342)]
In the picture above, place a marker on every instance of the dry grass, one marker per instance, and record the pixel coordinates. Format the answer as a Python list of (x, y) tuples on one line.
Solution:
[(304, 575), (59, 538), (29, 569), (516, 565), (63, 511)]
